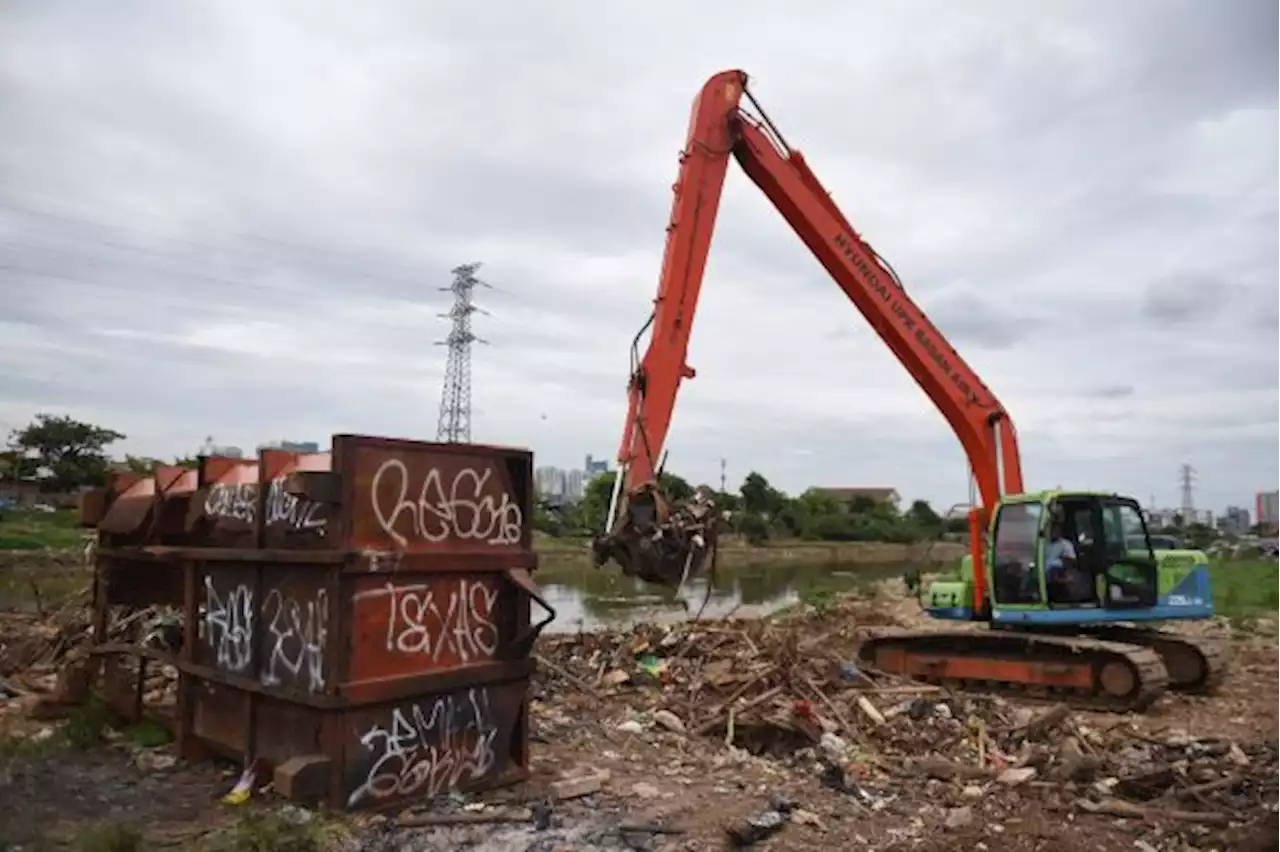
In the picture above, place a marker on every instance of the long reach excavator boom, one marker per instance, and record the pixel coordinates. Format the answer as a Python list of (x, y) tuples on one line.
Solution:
[(719, 127), (1066, 573)]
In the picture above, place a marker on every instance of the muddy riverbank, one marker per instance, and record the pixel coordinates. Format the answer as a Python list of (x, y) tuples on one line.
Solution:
[(734, 553)]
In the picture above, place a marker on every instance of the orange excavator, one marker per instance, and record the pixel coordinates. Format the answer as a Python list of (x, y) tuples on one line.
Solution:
[(1073, 638)]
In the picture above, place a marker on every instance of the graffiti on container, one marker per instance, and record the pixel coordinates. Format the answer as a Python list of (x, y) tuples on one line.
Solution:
[(295, 633), (228, 625), (296, 636), (454, 621), (429, 748), (459, 511), (234, 502), (294, 512)]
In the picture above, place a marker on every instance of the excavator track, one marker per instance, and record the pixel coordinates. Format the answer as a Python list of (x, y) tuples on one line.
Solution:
[(1195, 666), (1082, 671)]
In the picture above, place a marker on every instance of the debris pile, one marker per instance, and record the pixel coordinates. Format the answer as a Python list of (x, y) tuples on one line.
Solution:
[(44, 668), (36, 643), (785, 691)]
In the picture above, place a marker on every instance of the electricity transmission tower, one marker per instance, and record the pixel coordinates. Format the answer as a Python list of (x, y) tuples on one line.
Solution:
[(1186, 475), (455, 401)]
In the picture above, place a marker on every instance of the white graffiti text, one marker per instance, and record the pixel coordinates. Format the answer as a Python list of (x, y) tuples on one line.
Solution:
[(296, 637), (234, 502), (460, 511), (228, 625), (423, 619), (429, 749), (293, 511)]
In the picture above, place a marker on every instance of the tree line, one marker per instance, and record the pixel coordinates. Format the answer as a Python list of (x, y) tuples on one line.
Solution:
[(760, 512), (62, 454)]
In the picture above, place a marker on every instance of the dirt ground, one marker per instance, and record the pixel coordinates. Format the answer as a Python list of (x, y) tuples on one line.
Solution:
[(638, 712)]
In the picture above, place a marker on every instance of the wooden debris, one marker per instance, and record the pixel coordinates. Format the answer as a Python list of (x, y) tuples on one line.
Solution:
[(577, 786), (869, 710), (1128, 810)]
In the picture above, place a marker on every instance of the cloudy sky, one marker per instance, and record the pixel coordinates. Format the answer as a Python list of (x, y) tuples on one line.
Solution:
[(232, 219)]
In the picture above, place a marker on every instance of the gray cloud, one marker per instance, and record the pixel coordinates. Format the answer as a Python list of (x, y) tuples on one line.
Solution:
[(229, 218), (1186, 298), (1111, 391), (967, 317)]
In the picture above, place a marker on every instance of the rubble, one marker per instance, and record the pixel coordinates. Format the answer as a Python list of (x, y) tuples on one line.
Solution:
[(781, 691)]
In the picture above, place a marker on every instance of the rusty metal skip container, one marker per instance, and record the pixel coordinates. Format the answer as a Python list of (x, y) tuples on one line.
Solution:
[(357, 623)]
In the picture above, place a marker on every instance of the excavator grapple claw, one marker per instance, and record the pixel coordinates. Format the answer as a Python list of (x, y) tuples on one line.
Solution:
[(661, 542)]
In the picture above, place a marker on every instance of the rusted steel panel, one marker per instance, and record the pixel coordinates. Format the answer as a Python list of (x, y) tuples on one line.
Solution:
[(219, 717), (370, 604), (467, 739), (284, 730), (225, 510), (130, 499), (140, 583), (294, 639), (228, 612), (407, 625), (292, 520), (175, 489), (411, 497), (271, 625)]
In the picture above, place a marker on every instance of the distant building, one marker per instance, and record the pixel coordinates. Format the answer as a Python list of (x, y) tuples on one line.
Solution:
[(550, 483), (1235, 521), (574, 485), (593, 468), (1158, 519), (1266, 509), (209, 448), (848, 495), (291, 446)]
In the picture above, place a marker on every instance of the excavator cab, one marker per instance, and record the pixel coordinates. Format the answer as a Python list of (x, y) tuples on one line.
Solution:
[(1072, 551), (1069, 558)]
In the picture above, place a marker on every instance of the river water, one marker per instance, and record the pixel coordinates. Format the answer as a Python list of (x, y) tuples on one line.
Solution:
[(589, 599)]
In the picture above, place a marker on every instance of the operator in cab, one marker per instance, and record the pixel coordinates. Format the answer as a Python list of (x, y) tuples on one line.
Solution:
[(1060, 565)]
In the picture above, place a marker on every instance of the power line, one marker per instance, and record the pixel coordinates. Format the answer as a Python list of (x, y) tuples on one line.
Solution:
[(455, 400), (298, 251)]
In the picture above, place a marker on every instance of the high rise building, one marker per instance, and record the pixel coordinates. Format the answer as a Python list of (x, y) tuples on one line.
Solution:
[(574, 485), (1266, 509), (1235, 520), (593, 468), (549, 482)]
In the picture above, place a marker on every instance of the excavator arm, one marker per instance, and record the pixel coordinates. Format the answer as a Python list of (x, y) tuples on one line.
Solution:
[(721, 127)]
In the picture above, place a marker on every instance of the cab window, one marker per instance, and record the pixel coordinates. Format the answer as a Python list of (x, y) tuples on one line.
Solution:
[(1125, 533), (1016, 553)]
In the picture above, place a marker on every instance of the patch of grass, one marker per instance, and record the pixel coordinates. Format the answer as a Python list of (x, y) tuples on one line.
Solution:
[(23, 529), (148, 734), (15, 750), (1244, 589), (86, 727), (109, 837), (285, 830)]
